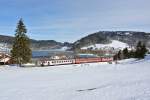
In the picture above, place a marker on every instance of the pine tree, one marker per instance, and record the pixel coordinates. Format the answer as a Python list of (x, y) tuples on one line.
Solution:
[(119, 55), (131, 54), (125, 53), (143, 51), (140, 50), (21, 52)]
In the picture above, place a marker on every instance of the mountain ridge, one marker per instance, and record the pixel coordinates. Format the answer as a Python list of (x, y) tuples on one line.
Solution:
[(35, 44), (101, 37), (105, 37)]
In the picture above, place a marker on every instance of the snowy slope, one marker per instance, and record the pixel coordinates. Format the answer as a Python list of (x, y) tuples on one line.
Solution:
[(115, 44), (124, 81), (64, 48)]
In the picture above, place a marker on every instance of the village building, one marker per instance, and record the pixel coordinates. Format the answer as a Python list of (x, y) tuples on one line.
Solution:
[(5, 59)]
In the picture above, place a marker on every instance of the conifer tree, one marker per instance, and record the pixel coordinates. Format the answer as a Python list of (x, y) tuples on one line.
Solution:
[(143, 50), (125, 53), (21, 52), (119, 55), (131, 54), (140, 50)]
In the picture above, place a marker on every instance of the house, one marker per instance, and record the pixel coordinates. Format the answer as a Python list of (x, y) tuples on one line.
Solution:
[(5, 59)]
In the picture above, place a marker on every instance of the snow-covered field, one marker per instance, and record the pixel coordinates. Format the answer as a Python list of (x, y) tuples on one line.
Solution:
[(128, 80), (114, 44)]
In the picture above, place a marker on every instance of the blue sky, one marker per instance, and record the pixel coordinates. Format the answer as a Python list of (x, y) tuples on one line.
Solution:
[(69, 20)]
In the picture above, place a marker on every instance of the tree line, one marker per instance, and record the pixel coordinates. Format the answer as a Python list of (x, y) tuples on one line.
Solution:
[(139, 52)]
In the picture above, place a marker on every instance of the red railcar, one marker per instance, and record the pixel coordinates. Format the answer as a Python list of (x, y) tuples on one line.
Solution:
[(90, 60), (87, 60), (107, 59)]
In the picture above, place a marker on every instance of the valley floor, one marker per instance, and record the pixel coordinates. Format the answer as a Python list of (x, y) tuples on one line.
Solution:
[(129, 80)]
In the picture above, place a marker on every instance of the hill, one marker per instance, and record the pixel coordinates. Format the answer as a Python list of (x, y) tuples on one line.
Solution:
[(106, 37), (8, 39), (36, 44)]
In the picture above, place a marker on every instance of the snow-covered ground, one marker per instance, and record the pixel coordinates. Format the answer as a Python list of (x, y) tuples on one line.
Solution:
[(114, 44), (128, 80), (64, 48)]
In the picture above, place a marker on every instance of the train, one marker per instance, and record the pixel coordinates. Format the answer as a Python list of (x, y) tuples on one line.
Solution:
[(75, 61)]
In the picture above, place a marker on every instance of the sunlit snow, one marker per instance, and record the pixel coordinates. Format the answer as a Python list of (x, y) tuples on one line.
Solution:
[(127, 80)]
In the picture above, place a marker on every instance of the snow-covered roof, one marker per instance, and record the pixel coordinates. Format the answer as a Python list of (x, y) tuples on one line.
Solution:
[(4, 59)]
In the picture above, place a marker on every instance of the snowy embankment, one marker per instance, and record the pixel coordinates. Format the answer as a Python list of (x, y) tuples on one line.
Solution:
[(124, 81)]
